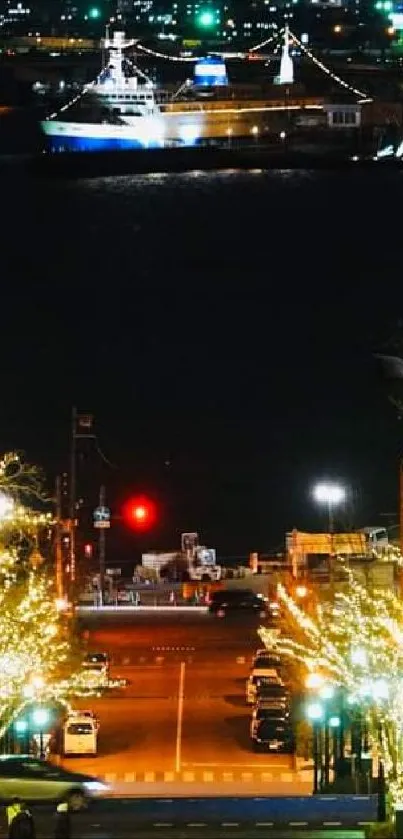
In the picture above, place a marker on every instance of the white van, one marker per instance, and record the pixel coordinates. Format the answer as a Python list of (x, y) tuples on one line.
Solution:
[(80, 735)]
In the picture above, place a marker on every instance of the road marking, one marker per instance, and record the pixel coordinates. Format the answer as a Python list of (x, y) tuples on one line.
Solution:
[(169, 777), (331, 824), (196, 824), (178, 753), (241, 765), (297, 824), (264, 824), (163, 824), (130, 777), (229, 824)]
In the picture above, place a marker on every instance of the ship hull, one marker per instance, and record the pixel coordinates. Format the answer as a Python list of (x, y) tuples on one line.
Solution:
[(71, 136)]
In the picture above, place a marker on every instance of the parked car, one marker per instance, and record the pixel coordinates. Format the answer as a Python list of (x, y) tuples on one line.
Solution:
[(261, 677), (38, 780), (268, 711), (273, 734), (271, 692)]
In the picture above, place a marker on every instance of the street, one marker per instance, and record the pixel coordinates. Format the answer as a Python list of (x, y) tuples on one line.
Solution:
[(182, 720), (113, 820)]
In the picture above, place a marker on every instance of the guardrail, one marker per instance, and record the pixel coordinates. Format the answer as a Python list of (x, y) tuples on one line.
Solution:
[(133, 608)]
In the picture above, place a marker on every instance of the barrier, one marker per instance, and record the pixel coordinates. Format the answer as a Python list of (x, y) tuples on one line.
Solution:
[(278, 811), (86, 610)]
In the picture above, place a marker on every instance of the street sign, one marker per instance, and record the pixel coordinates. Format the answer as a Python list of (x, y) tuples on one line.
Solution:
[(102, 517), (189, 542)]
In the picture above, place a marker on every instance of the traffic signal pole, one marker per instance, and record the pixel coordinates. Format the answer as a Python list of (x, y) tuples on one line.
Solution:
[(102, 549), (58, 545), (72, 510)]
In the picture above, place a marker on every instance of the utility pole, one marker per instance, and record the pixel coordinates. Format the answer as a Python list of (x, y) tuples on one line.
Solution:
[(72, 510), (58, 546), (102, 549), (401, 504)]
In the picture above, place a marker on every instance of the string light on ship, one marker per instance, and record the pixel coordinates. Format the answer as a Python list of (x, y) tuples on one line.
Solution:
[(329, 72)]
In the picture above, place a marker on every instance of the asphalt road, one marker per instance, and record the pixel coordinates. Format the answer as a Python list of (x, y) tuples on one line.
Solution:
[(182, 722), (115, 821)]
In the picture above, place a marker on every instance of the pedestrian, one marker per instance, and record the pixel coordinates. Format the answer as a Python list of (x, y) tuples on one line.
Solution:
[(12, 810), (62, 821), (21, 824)]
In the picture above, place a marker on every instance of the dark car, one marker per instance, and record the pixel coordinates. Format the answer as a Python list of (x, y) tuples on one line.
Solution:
[(268, 691), (237, 601), (273, 734)]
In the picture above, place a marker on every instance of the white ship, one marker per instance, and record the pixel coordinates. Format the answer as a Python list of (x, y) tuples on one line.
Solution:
[(115, 112)]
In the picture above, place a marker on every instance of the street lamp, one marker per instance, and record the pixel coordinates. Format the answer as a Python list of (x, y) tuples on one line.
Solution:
[(40, 719), (330, 494), (314, 713)]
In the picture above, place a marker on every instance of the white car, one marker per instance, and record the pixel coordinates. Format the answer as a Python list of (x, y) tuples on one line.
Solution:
[(258, 678)]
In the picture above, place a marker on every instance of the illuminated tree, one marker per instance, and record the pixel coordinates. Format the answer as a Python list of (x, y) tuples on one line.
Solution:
[(38, 662), (354, 642)]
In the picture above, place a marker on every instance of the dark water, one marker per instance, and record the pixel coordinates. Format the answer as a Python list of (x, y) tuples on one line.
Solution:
[(221, 328)]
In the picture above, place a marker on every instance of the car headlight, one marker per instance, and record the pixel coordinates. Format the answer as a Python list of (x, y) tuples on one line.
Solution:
[(96, 786)]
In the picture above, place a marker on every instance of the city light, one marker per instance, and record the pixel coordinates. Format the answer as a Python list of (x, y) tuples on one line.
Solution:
[(6, 506), (359, 656), (331, 495), (327, 692), (40, 717), (314, 711), (206, 18), (328, 493), (314, 681), (140, 512), (21, 726)]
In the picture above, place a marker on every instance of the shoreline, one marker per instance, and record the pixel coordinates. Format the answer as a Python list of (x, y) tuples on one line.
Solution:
[(179, 160)]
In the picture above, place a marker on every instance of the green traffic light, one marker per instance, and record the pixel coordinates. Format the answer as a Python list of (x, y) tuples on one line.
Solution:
[(206, 18), (40, 717), (94, 13), (21, 726)]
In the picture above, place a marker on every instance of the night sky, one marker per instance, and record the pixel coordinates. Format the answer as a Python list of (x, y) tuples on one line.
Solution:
[(226, 357)]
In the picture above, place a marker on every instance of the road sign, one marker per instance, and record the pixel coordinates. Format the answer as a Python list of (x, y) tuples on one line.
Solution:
[(189, 542), (102, 517)]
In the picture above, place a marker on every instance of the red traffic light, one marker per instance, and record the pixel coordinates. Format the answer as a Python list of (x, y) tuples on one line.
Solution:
[(140, 513)]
